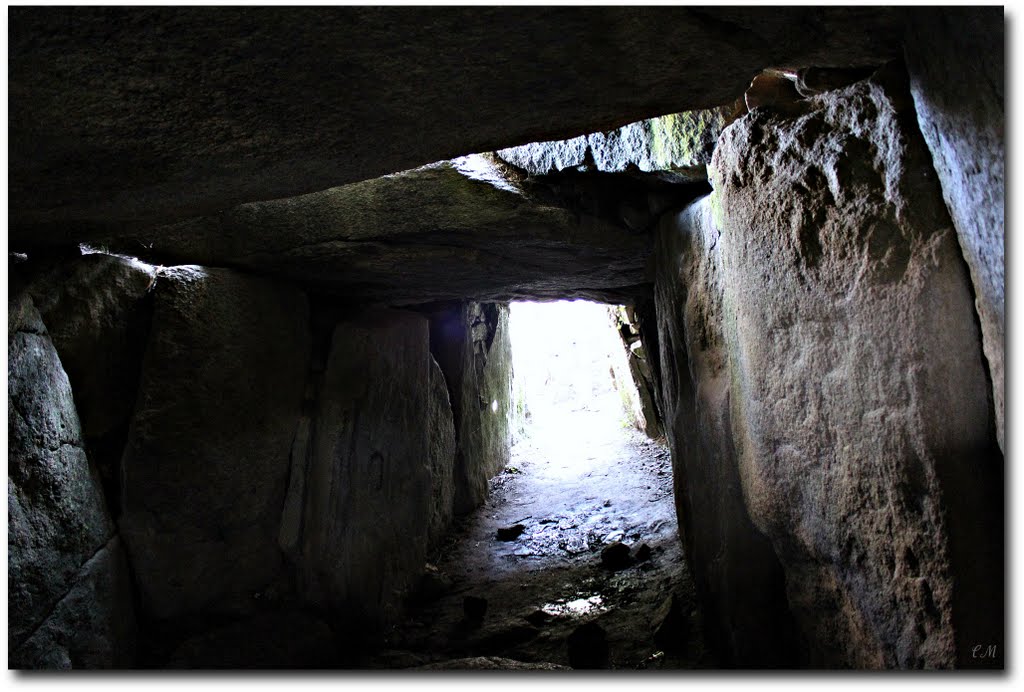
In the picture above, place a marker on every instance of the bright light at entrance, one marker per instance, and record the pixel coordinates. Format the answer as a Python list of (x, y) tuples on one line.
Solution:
[(569, 361)]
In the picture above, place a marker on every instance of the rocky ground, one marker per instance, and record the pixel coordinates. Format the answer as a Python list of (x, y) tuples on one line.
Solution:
[(577, 485)]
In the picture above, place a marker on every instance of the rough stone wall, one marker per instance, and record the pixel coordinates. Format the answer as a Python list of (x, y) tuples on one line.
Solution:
[(206, 463), (441, 446), (955, 59), (97, 309), (368, 491), (93, 303), (275, 459), (472, 345), (738, 576), (647, 418), (836, 389), (69, 596)]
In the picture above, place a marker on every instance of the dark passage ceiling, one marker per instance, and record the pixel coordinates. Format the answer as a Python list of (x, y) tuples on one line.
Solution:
[(122, 118)]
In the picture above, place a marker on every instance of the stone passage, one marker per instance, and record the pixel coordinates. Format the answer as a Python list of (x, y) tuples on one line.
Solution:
[(573, 559), (259, 350)]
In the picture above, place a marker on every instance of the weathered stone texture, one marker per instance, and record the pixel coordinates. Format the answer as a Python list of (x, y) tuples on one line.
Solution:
[(955, 57), (442, 447), (97, 313), (490, 663), (647, 418), (207, 459), (677, 146), (369, 496), (834, 365), (93, 626), (451, 230), (472, 345), (738, 576), (136, 116), (92, 308), (57, 521)]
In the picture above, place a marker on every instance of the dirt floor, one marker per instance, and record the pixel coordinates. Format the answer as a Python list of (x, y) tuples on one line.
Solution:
[(575, 485)]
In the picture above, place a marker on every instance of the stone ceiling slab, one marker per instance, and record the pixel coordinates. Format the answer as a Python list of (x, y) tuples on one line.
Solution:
[(120, 118)]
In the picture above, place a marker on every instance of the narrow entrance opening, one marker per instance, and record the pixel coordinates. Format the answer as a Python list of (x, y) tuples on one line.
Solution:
[(574, 559), (572, 376)]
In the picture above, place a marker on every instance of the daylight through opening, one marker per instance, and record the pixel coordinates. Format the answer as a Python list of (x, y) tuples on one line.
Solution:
[(572, 375)]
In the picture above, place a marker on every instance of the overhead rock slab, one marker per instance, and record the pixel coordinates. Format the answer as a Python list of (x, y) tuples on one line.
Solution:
[(207, 459), (128, 117), (858, 400), (57, 521), (677, 146), (454, 229), (955, 57)]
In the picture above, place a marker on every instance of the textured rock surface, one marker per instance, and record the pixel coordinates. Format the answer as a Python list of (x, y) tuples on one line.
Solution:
[(471, 344), (145, 115), (626, 323), (852, 377), (738, 577), (274, 640), (368, 501), (446, 231), (57, 521), (92, 626), (206, 463), (91, 306), (959, 102), (442, 457), (97, 314), (678, 145)]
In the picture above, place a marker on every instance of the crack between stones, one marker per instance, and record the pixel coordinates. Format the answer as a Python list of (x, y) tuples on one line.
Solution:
[(74, 582)]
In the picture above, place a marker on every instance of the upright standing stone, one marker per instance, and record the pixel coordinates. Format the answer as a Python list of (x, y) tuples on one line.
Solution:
[(368, 502), (472, 345), (69, 598), (207, 458), (859, 400), (955, 56)]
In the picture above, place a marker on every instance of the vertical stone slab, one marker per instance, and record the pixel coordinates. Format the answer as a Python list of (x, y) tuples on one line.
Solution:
[(738, 576), (368, 501), (442, 457), (57, 521), (858, 397), (92, 306), (472, 345), (207, 459), (97, 312), (955, 57)]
